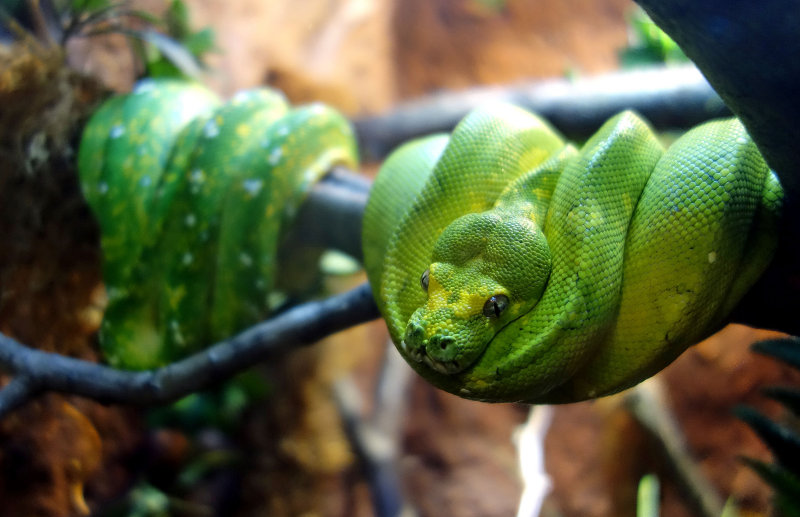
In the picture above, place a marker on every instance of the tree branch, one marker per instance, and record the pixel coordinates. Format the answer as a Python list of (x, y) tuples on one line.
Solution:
[(19, 390), (339, 201), (674, 97), (37, 371), (748, 51)]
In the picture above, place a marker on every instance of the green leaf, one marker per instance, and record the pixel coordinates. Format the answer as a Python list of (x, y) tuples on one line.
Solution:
[(785, 349), (491, 5), (79, 6), (177, 18), (785, 484), (782, 441), (201, 42), (171, 50), (647, 497), (649, 44), (143, 16), (789, 397)]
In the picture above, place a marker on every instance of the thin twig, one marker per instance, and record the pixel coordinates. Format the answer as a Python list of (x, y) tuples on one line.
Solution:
[(298, 326), (19, 390), (529, 439), (375, 439), (646, 403)]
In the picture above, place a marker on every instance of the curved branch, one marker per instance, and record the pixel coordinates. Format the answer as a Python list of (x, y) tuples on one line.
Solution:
[(748, 51), (37, 371)]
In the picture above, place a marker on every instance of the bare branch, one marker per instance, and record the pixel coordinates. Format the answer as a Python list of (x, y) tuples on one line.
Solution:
[(338, 200), (38, 371), (19, 390), (675, 97), (648, 405)]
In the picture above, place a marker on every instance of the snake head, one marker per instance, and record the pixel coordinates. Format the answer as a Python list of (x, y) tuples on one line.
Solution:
[(487, 270)]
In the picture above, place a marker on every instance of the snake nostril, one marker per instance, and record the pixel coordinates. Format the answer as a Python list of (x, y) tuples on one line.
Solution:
[(445, 342)]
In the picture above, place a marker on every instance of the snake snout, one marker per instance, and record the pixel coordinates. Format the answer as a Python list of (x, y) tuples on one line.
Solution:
[(442, 354), (414, 342), (438, 351)]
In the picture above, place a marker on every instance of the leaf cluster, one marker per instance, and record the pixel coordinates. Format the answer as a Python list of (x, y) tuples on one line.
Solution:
[(783, 439), (648, 44), (166, 45)]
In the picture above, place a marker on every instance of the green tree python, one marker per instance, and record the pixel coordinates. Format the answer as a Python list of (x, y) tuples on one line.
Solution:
[(510, 266), (192, 198)]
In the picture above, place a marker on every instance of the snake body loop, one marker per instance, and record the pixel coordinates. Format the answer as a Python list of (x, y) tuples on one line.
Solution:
[(553, 274), (192, 197)]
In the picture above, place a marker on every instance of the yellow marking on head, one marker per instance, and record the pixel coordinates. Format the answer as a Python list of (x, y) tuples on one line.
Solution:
[(437, 326), (469, 304), (437, 295)]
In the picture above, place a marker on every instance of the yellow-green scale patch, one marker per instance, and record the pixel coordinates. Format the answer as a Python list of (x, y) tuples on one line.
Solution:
[(650, 251), (586, 228), (297, 150), (139, 138), (190, 241), (693, 221)]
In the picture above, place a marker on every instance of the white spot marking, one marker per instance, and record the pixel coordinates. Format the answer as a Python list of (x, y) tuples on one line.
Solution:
[(117, 131), (197, 176), (211, 130), (275, 156), (144, 86), (240, 97), (176, 332), (712, 257), (252, 186)]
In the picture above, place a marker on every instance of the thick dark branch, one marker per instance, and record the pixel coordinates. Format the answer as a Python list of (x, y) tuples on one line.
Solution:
[(676, 97), (331, 216), (300, 325), (749, 53)]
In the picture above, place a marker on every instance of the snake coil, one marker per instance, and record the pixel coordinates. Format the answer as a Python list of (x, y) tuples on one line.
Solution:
[(192, 198), (511, 266)]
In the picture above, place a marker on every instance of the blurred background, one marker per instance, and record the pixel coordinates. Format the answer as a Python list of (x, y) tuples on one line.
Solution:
[(279, 440)]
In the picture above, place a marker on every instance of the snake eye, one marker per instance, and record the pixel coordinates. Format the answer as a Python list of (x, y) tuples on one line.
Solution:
[(424, 279), (495, 305)]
